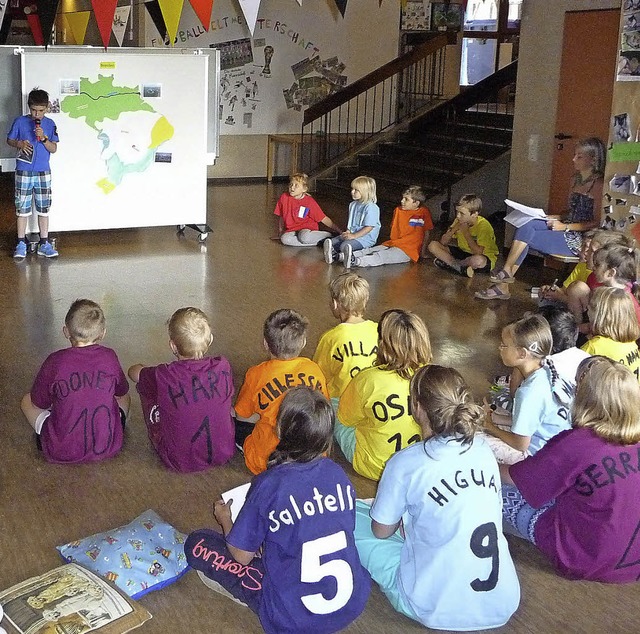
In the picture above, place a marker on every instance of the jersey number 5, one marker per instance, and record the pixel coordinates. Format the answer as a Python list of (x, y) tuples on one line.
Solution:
[(312, 571)]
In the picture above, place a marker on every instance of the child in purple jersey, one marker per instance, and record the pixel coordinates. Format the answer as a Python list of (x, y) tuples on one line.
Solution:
[(578, 498), (79, 400), (187, 404), (301, 513)]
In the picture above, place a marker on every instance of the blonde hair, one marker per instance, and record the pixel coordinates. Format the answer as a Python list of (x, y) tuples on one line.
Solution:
[(415, 192), (367, 187), (300, 177), (612, 314), (471, 202), (350, 292), (403, 342), (607, 401), (624, 259), (603, 237), (190, 332), (533, 333), (85, 322), (442, 402), (285, 332)]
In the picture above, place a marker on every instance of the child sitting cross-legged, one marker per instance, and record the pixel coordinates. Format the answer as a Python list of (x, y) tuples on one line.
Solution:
[(187, 404), (255, 411), (290, 555), (374, 416), (475, 247), (79, 400), (352, 345), (433, 538)]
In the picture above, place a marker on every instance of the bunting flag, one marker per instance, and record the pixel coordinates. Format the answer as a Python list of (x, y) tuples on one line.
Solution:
[(5, 27), (171, 12), (47, 10), (153, 7), (203, 11), (77, 23), (120, 20), (104, 10), (300, 2), (3, 10), (250, 11), (342, 6), (34, 25)]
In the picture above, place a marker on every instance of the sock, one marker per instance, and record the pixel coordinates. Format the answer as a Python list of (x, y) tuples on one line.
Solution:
[(22, 240), (44, 240)]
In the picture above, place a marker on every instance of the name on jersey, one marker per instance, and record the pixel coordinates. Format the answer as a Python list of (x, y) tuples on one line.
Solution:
[(319, 504), (274, 388), (596, 476), (352, 349), (98, 380), (215, 385), (631, 358), (461, 481)]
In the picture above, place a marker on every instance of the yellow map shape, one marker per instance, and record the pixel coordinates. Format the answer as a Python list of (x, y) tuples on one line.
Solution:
[(162, 131), (106, 185)]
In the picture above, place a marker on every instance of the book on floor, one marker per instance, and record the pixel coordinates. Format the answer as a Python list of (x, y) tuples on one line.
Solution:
[(69, 600)]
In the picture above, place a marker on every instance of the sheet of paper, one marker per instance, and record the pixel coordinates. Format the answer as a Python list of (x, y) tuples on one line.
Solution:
[(238, 495), (522, 214)]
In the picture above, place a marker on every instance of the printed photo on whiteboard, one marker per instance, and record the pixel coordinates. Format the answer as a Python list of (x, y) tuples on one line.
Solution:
[(629, 66), (621, 125), (69, 86), (163, 157), (152, 91), (620, 183)]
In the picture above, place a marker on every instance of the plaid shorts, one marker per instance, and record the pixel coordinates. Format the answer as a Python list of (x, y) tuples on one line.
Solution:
[(36, 186)]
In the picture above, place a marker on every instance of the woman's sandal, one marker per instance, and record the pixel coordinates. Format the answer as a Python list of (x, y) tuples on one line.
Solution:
[(493, 292), (501, 277)]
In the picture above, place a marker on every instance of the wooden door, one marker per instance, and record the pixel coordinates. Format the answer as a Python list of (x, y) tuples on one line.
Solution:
[(587, 72)]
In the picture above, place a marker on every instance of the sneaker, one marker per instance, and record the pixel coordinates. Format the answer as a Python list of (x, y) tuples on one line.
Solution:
[(329, 251), (347, 255), (21, 250), (46, 249), (216, 587)]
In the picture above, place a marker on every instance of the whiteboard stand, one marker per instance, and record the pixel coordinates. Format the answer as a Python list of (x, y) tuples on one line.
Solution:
[(203, 231)]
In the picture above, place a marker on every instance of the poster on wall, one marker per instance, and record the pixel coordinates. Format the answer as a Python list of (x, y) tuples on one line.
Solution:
[(629, 55), (132, 150), (296, 56), (415, 16)]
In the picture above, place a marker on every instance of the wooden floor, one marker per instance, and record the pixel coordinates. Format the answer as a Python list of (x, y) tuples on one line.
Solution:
[(140, 277)]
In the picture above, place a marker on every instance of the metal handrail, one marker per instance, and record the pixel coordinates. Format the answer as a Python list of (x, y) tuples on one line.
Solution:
[(347, 119)]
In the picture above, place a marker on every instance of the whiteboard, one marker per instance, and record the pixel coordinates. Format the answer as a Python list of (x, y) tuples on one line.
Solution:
[(133, 134)]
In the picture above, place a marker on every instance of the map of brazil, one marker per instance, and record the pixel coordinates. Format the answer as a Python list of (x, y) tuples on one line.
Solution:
[(130, 130)]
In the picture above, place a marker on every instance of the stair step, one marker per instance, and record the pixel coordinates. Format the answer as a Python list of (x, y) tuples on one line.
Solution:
[(415, 171), (495, 120), (467, 147), (435, 157)]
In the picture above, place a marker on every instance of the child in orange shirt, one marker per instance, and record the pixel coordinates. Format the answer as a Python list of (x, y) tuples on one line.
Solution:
[(285, 335), (409, 234)]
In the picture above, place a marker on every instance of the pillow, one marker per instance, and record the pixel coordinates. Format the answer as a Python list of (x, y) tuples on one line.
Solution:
[(142, 556)]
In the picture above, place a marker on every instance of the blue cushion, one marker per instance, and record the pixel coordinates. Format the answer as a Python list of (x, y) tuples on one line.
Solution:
[(142, 556)]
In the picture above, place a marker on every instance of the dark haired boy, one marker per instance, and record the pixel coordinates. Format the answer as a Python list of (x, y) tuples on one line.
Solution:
[(35, 137)]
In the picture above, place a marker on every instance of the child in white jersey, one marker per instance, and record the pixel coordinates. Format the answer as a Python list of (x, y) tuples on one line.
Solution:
[(448, 566)]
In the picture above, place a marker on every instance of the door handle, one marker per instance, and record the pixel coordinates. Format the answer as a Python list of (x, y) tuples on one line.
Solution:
[(561, 136)]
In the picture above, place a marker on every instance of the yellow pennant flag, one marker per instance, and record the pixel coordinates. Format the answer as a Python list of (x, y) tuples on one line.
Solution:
[(171, 12), (77, 22)]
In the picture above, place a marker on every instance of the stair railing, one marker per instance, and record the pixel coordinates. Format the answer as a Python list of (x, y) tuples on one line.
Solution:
[(395, 92)]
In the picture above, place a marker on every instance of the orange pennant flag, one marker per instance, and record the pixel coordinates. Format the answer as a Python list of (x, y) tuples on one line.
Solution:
[(104, 10), (203, 11), (171, 12), (77, 22)]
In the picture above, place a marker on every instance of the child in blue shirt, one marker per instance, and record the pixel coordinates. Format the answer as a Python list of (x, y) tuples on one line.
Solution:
[(363, 225), (35, 136), (433, 537)]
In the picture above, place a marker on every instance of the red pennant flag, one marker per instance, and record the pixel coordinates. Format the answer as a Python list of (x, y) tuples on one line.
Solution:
[(47, 10), (36, 29), (104, 10), (203, 11)]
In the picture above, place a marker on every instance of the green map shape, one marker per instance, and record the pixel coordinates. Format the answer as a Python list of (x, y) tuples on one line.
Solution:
[(102, 100)]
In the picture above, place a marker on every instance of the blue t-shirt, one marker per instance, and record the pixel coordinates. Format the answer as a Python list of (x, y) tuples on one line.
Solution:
[(304, 515), (364, 215), (455, 572), (537, 412), (23, 129)]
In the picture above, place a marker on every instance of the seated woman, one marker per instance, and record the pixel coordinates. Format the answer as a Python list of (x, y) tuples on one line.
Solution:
[(554, 235)]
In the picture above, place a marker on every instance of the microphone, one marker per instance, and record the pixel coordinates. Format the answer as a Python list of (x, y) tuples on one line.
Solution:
[(37, 122)]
